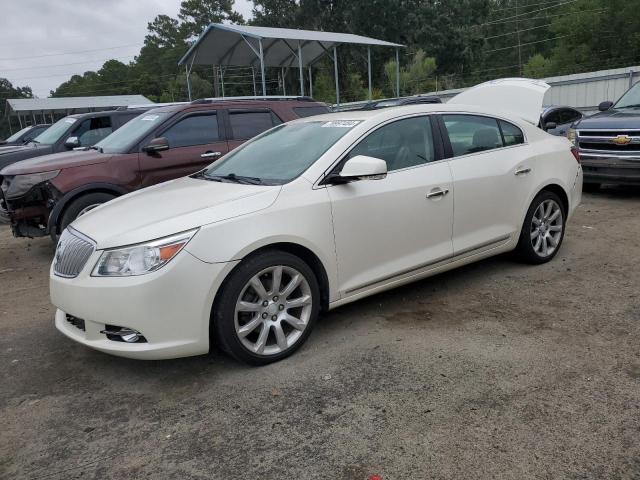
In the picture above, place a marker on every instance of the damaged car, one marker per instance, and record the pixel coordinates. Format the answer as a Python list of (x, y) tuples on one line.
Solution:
[(43, 195)]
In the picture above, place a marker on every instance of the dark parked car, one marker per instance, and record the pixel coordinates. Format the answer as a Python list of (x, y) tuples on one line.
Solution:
[(43, 195), (81, 130), (609, 142), (25, 135), (558, 119)]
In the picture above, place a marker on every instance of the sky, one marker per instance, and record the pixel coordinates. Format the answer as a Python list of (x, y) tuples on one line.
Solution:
[(34, 34)]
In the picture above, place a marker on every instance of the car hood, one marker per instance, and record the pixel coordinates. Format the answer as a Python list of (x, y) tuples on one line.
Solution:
[(169, 208), (522, 97), (15, 153), (624, 118), (56, 161)]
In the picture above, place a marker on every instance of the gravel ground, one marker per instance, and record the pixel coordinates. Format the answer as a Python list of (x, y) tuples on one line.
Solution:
[(496, 370)]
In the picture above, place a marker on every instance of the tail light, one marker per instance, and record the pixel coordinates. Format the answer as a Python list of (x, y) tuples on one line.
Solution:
[(576, 153)]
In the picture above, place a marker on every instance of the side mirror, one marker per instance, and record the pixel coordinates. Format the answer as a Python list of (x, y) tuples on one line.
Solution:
[(362, 167), (159, 144), (72, 142), (550, 126), (604, 106)]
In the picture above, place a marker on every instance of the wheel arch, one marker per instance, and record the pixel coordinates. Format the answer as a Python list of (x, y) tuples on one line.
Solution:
[(63, 203), (558, 190), (300, 251)]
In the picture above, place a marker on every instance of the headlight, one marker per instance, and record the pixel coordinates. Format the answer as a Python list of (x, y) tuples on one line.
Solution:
[(572, 136), (21, 184), (141, 259)]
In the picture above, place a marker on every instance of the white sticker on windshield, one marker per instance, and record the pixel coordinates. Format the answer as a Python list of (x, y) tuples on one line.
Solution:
[(149, 118), (340, 124), (69, 120)]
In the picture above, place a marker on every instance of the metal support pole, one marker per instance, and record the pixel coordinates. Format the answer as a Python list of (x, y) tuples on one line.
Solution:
[(300, 70), (186, 69), (335, 74), (264, 82), (222, 79), (20, 121), (284, 82), (253, 74), (310, 83), (397, 72), (369, 69)]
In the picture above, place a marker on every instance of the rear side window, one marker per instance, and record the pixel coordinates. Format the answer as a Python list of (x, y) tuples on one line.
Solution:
[(92, 130), (246, 125), (303, 112), (512, 135), (472, 134), (193, 130)]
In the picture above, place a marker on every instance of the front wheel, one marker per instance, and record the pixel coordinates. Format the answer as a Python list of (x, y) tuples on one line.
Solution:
[(543, 230), (79, 207), (266, 308)]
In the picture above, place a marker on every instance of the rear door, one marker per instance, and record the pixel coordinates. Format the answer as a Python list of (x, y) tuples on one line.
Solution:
[(491, 178), (195, 141), (246, 123)]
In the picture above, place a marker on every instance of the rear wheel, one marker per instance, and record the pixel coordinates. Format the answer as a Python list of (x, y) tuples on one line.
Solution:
[(266, 308), (79, 207), (543, 229)]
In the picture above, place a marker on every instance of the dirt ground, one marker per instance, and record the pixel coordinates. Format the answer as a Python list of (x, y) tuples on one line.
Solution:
[(496, 370)]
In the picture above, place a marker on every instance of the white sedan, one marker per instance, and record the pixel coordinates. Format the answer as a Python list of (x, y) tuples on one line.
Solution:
[(309, 216)]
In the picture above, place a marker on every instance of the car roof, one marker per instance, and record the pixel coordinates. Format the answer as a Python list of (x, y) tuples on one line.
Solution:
[(389, 113), (239, 102)]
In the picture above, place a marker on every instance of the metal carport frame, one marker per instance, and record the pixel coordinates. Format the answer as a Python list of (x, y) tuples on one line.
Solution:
[(241, 45)]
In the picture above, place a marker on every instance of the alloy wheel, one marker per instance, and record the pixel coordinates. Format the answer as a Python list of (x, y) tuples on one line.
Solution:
[(273, 310), (546, 228)]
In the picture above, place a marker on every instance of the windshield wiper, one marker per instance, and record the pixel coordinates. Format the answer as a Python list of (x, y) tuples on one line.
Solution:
[(635, 105), (232, 177)]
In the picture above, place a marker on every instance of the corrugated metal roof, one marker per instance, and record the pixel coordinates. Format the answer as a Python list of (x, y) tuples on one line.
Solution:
[(73, 103), (238, 45)]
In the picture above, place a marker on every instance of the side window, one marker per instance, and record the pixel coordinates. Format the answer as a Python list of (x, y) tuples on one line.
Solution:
[(402, 144), (303, 112), (245, 125), (512, 135), (92, 130), (472, 134), (193, 130)]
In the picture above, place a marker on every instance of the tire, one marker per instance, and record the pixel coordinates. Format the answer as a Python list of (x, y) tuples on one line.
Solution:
[(542, 226), (591, 187), (232, 329), (80, 206)]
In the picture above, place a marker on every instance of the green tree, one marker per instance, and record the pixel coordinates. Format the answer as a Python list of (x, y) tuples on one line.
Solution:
[(7, 91), (538, 67), (196, 15)]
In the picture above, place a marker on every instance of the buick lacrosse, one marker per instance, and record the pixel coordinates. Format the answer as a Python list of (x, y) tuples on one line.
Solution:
[(311, 215)]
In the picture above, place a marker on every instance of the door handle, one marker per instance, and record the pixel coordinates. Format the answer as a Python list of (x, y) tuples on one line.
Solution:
[(437, 192), (522, 171), (211, 154)]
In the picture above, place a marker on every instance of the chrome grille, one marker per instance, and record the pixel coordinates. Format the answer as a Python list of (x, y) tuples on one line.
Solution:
[(72, 253), (621, 143)]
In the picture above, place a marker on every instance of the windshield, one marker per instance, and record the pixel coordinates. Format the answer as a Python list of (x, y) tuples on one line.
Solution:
[(630, 99), (18, 134), (130, 133), (52, 134), (282, 153)]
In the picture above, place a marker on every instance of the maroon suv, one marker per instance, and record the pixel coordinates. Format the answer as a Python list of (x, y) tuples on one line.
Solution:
[(41, 196)]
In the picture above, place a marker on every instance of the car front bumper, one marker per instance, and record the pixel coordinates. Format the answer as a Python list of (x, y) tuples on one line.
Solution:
[(611, 170), (170, 307)]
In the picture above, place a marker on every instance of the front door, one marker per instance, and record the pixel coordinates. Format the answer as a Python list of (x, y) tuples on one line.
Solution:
[(401, 224), (194, 142)]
